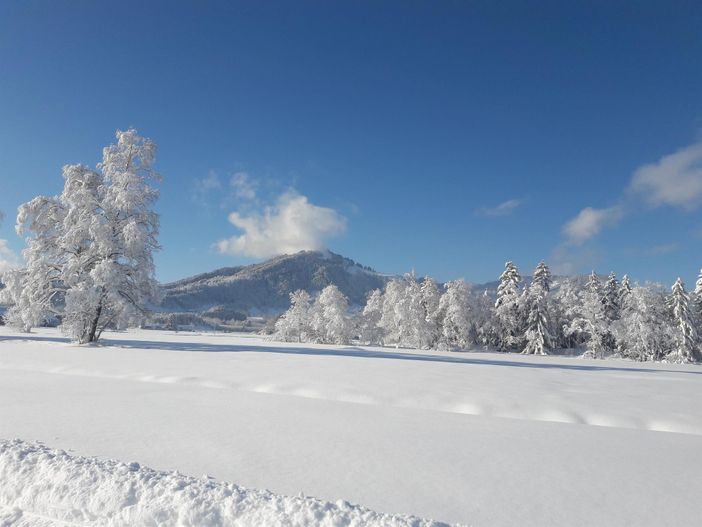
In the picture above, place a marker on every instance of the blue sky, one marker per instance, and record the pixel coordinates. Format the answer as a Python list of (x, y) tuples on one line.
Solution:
[(442, 136)]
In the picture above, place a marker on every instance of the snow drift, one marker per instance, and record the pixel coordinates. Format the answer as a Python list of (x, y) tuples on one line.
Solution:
[(39, 485)]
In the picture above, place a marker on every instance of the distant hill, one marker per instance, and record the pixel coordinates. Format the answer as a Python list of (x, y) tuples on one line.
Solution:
[(264, 288)]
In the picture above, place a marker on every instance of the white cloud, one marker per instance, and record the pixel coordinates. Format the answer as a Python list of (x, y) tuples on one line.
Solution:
[(503, 209), (8, 258), (675, 180), (665, 248), (589, 222), (293, 224), (211, 182), (244, 187), (569, 260)]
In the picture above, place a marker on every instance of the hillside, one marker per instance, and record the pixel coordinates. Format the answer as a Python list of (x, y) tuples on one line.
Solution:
[(265, 287)]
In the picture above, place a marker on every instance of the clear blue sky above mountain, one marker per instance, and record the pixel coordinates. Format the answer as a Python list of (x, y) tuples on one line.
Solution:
[(442, 136)]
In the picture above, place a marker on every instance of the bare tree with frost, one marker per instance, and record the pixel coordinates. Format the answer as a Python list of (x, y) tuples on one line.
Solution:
[(89, 249), (589, 320), (455, 308), (295, 324), (429, 302), (371, 332), (329, 318), (644, 331)]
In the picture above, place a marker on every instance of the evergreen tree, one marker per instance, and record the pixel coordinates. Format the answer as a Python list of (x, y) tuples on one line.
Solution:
[(624, 290), (611, 309), (697, 298), (611, 298), (537, 335), (507, 307), (686, 338)]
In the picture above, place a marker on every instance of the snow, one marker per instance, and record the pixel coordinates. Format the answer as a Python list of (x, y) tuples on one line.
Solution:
[(484, 439), (60, 488)]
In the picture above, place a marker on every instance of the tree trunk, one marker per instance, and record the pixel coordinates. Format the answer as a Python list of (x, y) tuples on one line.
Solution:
[(93, 334)]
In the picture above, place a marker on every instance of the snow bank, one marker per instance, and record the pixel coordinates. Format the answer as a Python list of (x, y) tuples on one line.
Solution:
[(42, 486)]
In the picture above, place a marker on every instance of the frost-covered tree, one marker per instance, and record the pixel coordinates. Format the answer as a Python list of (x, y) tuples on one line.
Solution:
[(89, 249), (295, 324), (589, 319), (371, 332), (507, 307), (455, 315), (404, 319), (644, 331), (685, 339), (329, 317), (429, 327), (484, 325), (611, 298), (391, 320), (611, 309), (538, 335), (564, 305), (624, 291)]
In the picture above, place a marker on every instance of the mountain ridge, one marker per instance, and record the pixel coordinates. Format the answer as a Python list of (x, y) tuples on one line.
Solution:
[(264, 288)]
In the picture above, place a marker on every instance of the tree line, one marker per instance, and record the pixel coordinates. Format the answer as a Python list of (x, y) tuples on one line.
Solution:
[(602, 317)]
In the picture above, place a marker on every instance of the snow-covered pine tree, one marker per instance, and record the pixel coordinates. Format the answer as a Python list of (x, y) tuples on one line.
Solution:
[(696, 298), (686, 338), (624, 290), (371, 332), (507, 307), (329, 318), (295, 324), (537, 335), (610, 298), (611, 309), (89, 250), (455, 308)]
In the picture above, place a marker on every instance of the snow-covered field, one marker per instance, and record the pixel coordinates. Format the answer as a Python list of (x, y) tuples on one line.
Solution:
[(478, 438)]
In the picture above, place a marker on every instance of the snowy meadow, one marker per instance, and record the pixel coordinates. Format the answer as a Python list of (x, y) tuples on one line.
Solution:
[(453, 436)]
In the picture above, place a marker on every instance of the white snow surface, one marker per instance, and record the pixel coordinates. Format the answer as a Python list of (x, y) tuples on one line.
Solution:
[(52, 487), (477, 438)]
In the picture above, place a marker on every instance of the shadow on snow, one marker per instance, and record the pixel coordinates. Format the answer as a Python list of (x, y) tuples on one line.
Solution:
[(349, 351)]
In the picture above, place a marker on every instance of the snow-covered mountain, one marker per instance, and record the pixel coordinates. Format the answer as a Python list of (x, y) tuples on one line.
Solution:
[(265, 287)]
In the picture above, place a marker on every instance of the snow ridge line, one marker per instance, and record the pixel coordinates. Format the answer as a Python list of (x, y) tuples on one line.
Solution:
[(562, 415), (58, 488)]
